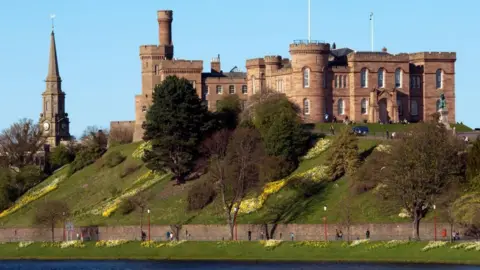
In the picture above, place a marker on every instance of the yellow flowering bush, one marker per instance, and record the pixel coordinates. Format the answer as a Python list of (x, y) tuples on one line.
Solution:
[(140, 151), (153, 244), (32, 195), (24, 244), (316, 244), (271, 243), (321, 146), (72, 244), (110, 243), (51, 244), (383, 148)]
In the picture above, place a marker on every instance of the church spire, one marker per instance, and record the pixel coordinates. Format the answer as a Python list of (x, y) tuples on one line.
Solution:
[(53, 73)]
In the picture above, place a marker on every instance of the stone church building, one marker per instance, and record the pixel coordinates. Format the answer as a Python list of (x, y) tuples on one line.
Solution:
[(324, 81)]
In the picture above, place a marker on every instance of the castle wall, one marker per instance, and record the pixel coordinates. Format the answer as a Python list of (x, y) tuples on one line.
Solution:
[(210, 85)]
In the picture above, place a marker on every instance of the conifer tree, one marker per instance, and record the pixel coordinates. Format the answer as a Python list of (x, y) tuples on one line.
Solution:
[(344, 157), (176, 124)]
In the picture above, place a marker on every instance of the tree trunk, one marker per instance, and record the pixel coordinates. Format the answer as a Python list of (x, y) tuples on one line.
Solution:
[(451, 232), (231, 226), (53, 232), (272, 230), (416, 228), (141, 224), (265, 229)]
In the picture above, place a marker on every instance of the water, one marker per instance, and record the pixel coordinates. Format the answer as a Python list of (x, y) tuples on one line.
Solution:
[(158, 265)]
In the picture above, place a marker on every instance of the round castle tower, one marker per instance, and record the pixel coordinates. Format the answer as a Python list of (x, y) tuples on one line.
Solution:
[(165, 18), (309, 62)]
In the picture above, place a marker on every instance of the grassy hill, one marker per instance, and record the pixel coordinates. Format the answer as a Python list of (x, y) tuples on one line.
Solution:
[(96, 189)]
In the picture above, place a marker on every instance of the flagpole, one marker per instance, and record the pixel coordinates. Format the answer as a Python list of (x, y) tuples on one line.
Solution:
[(371, 30), (308, 21)]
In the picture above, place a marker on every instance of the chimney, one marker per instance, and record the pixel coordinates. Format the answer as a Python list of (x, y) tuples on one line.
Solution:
[(215, 65)]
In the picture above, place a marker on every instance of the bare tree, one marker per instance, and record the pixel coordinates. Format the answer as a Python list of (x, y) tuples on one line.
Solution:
[(94, 136), (20, 142), (346, 215), (50, 214), (234, 169), (421, 167), (121, 135), (140, 201)]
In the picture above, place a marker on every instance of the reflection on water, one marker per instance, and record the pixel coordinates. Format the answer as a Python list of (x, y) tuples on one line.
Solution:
[(157, 265)]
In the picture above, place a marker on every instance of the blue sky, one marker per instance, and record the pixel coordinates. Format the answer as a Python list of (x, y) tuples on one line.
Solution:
[(98, 41)]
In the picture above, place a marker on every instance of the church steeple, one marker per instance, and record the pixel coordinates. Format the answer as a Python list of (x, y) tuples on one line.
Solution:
[(53, 73)]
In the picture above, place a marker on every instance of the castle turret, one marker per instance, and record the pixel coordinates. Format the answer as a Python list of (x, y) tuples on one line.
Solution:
[(272, 63), (165, 18), (309, 62)]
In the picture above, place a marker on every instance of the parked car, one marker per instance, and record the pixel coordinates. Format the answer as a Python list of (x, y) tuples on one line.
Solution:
[(360, 130)]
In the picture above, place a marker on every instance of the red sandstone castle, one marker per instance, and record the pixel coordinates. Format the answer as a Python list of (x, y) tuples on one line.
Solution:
[(325, 82)]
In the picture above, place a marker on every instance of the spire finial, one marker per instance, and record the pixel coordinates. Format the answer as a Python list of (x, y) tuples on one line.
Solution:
[(52, 17)]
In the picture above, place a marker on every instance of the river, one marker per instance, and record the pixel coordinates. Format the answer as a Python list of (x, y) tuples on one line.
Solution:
[(180, 265)]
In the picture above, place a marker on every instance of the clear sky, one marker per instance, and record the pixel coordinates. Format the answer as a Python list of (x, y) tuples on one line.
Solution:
[(98, 44)]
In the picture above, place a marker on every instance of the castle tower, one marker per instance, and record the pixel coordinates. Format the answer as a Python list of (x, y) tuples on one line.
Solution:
[(54, 120), (309, 62), (165, 18)]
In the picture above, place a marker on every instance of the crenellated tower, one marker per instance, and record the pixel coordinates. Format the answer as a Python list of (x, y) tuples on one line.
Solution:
[(54, 119)]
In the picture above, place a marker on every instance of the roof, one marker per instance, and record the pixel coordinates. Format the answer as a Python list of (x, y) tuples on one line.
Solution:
[(341, 52), (224, 74)]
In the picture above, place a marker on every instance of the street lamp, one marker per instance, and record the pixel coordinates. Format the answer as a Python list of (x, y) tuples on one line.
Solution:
[(325, 223), (148, 212), (63, 226), (235, 210), (435, 222)]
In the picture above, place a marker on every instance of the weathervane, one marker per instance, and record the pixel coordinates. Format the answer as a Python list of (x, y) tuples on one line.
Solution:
[(52, 17)]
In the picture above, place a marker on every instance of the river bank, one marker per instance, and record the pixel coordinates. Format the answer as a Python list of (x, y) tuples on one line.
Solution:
[(380, 252)]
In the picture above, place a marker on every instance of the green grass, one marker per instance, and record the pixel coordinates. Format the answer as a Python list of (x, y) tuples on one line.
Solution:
[(93, 185), (378, 129), (245, 251)]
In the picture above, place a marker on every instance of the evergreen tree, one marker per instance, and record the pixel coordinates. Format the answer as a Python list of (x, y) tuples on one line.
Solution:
[(176, 124), (228, 111), (344, 157)]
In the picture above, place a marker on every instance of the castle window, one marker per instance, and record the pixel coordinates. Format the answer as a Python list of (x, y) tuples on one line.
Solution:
[(344, 81), (231, 89), (219, 89), (400, 107), (417, 81), (341, 107), (364, 106), (156, 69), (439, 78), (398, 77), (254, 85), (340, 81), (381, 77), (364, 78), (306, 107), (336, 81), (244, 89), (306, 78), (144, 108), (413, 108), (207, 89), (412, 82)]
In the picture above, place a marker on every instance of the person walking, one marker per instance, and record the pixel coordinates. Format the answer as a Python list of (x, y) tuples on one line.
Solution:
[(249, 235), (367, 234)]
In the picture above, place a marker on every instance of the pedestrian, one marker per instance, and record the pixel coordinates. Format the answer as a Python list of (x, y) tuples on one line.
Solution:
[(249, 235), (144, 236), (261, 235), (393, 135), (341, 235), (367, 234), (168, 235), (292, 236), (337, 234), (171, 236), (387, 134)]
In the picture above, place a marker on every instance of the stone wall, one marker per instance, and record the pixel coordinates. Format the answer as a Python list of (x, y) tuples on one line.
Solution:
[(221, 232)]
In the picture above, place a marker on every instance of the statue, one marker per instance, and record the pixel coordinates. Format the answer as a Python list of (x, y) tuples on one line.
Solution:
[(443, 102)]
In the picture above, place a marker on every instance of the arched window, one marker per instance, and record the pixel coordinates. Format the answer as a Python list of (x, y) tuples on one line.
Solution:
[(306, 106), (381, 78), (306, 78), (341, 107), (413, 108), (439, 78), (438, 104), (344, 81), (364, 106), (364, 78), (144, 108), (254, 85), (398, 77)]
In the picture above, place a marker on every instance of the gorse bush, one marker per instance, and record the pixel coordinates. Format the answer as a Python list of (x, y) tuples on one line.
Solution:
[(61, 156), (126, 207), (200, 195), (85, 157), (114, 158)]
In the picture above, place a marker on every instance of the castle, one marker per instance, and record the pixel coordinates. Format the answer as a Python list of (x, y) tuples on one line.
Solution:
[(325, 82)]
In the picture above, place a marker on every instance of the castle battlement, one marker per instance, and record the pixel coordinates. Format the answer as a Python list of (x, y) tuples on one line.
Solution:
[(305, 46), (273, 60), (255, 62), (433, 56), (150, 50), (377, 57), (165, 15)]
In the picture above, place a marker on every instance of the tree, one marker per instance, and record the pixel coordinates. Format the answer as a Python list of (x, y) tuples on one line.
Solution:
[(473, 164), (20, 142), (140, 201), (422, 165), (176, 123), (50, 214), (370, 173), (94, 137), (466, 211), (344, 157), (346, 215), (61, 156), (235, 169), (228, 111)]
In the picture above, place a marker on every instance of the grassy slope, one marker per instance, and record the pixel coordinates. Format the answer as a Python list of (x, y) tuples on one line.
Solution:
[(92, 185), (249, 251), (378, 129)]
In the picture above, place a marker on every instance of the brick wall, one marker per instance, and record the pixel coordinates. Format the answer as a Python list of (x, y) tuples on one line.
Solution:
[(219, 232)]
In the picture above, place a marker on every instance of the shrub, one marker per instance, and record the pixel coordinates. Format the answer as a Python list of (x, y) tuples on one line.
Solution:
[(28, 177), (114, 158), (85, 157), (275, 168), (200, 195), (369, 174), (126, 207), (343, 156), (61, 156), (129, 168), (114, 191)]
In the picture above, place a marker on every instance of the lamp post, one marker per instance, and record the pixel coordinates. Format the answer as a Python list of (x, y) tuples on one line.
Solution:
[(148, 212), (63, 226), (325, 223), (435, 222), (235, 210)]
